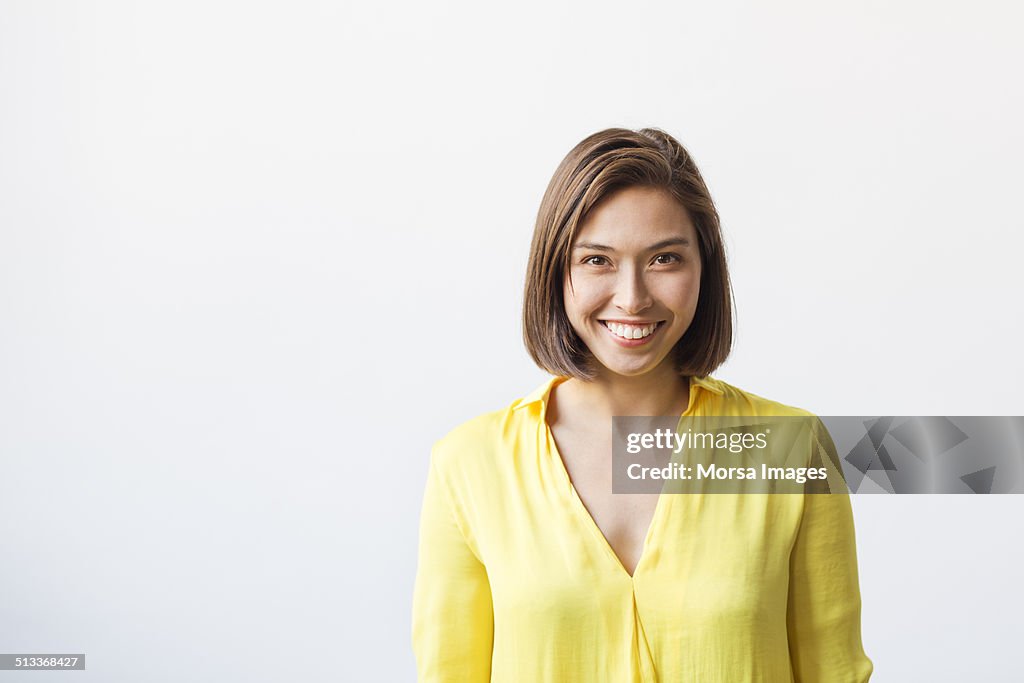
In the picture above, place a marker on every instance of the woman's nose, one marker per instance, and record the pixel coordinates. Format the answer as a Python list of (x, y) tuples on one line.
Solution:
[(631, 293)]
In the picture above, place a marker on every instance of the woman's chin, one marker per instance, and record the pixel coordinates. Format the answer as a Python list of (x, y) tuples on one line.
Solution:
[(630, 369)]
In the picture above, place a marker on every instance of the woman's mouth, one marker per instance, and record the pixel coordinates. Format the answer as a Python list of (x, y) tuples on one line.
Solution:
[(629, 334)]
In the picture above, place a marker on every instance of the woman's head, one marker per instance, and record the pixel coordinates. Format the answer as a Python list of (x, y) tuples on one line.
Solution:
[(627, 268)]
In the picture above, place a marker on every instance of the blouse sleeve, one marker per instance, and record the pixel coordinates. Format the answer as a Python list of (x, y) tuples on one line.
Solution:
[(452, 620), (824, 597)]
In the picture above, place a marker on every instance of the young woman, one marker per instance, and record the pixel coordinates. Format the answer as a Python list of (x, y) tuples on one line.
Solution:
[(530, 569)]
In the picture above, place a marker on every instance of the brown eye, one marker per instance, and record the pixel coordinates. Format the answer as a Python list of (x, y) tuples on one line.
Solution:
[(596, 260), (667, 259)]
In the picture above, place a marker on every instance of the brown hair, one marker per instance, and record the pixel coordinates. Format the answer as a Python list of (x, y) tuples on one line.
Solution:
[(602, 163)]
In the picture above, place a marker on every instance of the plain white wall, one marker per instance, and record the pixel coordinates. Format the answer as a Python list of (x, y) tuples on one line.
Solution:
[(255, 258)]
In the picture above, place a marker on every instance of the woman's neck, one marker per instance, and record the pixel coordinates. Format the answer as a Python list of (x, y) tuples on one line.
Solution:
[(653, 393)]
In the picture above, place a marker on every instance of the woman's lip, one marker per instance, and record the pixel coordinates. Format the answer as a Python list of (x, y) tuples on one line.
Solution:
[(632, 342), (637, 323)]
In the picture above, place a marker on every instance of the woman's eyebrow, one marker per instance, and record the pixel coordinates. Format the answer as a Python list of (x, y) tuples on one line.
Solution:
[(672, 242)]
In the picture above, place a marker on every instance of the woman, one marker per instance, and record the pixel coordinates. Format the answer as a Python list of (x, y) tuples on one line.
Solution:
[(530, 569)]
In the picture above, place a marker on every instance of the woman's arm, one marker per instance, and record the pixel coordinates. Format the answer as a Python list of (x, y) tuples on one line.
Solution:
[(824, 595), (452, 620)]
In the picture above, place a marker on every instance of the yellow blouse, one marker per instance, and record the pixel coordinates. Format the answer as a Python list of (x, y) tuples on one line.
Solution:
[(517, 584)]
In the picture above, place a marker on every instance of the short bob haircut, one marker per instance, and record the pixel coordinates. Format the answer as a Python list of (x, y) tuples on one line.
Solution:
[(604, 162)]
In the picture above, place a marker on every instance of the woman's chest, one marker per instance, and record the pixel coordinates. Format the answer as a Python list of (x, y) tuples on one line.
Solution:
[(623, 520), (707, 558)]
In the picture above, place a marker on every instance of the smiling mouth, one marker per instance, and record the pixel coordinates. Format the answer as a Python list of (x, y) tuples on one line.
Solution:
[(624, 331)]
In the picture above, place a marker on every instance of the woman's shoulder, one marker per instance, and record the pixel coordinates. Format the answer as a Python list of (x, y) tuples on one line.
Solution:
[(484, 436), (728, 399), (473, 433)]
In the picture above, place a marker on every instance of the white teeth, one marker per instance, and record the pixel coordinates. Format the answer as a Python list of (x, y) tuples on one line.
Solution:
[(631, 331)]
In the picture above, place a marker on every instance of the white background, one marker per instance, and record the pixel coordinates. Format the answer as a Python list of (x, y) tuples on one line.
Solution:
[(256, 258)]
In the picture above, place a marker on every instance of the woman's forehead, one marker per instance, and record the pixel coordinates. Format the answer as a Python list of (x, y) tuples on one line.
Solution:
[(636, 210), (635, 224)]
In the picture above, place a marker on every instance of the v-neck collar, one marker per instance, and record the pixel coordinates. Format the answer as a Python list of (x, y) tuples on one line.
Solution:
[(588, 520), (541, 395)]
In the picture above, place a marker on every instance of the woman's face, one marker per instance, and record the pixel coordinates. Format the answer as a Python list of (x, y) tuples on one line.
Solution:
[(634, 279)]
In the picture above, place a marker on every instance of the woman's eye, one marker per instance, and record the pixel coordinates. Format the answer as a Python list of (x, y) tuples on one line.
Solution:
[(667, 259), (596, 260)]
